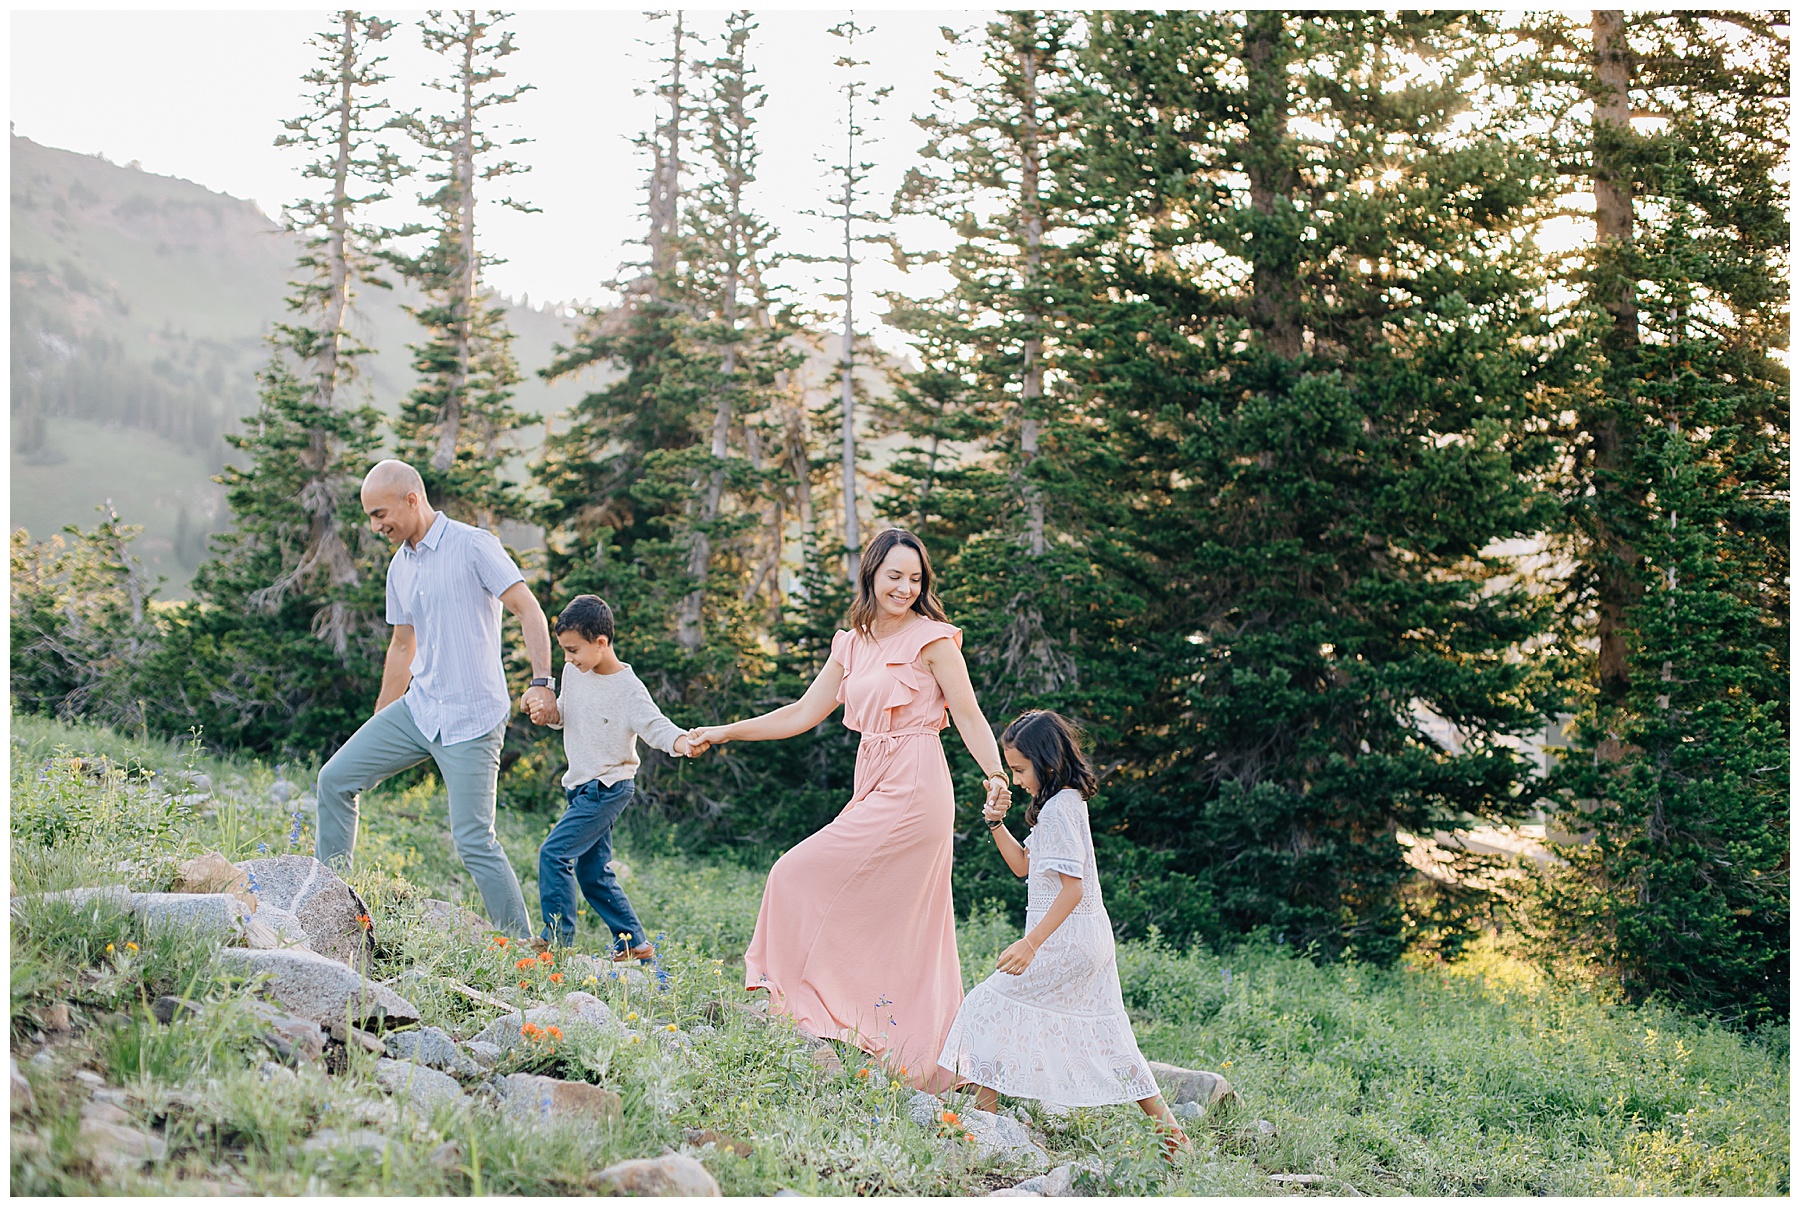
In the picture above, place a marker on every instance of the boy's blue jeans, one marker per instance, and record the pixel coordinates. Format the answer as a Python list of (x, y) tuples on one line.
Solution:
[(578, 850)]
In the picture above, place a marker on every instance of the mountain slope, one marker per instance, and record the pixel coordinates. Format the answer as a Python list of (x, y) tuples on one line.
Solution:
[(139, 309)]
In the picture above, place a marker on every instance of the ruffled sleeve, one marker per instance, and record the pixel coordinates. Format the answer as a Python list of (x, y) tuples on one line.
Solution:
[(1056, 843), (908, 679)]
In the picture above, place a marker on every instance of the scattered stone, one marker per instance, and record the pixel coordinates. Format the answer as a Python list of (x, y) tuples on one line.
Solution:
[(619, 868), (330, 1138), (215, 913), (213, 873), (483, 1053), (1297, 1179), (702, 1029), (333, 918), (294, 1038), (1189, 1085), (167, 1009), (996, 1136), (1265, 1127), (1059, 1183), (89, 1077), (357, 1037), (55, 1018), (1017, 1192), (114, 1141), (283, 790), (432, 1048), (115, 895), (199, 781), (445, 917), (1187, 1110), (533, 1096), (448, 1155), (313, 986), (43, 1060), (427, 1088), (785, 1193), (576, 1009), (700, 1138), (272, 929), (23, 1100), (268, 1070), (826, 1057), (673, 1175)]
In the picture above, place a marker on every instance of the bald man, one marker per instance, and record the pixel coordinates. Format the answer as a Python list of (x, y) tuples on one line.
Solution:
[(443, 688)]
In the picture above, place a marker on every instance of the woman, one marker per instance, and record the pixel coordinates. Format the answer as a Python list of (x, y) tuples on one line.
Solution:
[(856, 939)]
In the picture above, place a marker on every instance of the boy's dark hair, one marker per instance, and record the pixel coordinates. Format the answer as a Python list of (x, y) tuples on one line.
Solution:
[(587, 615), (1053, 748)]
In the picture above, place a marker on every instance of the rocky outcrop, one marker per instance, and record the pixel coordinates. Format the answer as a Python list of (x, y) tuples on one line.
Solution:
[(327, 992), (333, 917), (674, 1175)]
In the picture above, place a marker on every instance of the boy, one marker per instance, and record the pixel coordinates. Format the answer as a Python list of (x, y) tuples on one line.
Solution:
[(602, 710)]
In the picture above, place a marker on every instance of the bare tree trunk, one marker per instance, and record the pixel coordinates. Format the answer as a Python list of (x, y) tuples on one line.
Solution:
[(1617, 586), (1031, 386), (665, 180), (847, 366), (463, 168), (1267, 52)]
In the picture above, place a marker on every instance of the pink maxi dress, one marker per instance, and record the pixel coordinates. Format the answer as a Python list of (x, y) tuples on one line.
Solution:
[(856, 938)]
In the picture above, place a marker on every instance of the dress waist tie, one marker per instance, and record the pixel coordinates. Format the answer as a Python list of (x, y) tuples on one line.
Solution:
[(886, 739)]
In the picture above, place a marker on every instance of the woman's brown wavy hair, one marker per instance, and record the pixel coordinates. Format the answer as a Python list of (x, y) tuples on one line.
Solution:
[(862, 612)]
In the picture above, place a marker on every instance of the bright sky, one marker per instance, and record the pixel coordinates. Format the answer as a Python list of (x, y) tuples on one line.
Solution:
[(201, 95)]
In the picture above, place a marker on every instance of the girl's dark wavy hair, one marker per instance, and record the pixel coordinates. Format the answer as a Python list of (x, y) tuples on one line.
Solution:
[(1052, 745)]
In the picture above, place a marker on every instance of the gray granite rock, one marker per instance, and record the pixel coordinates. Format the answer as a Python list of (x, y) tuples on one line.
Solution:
[(362, 1138), (22, 1098), (577, 1009), (273, 929), (425, 1088), (115, 895), (531, 1096), (483, 1053), (214, 913), (330, 913), (675, 1175), (433, 1048), (1189, 1085), (327, 992), (997, 1137)]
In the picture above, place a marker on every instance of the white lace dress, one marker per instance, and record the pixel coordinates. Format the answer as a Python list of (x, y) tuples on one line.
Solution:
[(1056, 1032)]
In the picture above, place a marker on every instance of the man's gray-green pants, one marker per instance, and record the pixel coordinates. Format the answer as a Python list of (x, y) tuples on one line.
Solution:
[(390, 742)]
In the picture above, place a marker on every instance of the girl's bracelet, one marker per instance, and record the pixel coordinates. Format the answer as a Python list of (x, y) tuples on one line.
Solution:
[(1034, 946)]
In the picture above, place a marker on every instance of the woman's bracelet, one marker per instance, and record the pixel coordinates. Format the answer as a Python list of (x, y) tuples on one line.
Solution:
[(996, 823)]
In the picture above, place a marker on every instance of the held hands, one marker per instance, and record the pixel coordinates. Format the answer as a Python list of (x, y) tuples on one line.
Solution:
[(999, 798), (702, 738), (1017, 958), (539, 704)]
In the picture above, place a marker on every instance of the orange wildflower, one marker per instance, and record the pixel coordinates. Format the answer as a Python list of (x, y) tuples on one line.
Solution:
[(362, 920), (545, 957), (525, 963), (556, 978), (862, 1072), (556, 1033), (529, 1029), (524, 984), (948, 1117), (500, 941)]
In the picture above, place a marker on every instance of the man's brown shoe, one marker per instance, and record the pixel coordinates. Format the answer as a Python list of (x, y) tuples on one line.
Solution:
[(646, 952), (540, 945)]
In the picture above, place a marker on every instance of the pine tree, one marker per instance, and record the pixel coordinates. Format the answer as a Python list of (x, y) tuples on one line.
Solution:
[(455, 426), (1675, 502), (1301, 352), (999, 145), (81, 629), (281, 646)]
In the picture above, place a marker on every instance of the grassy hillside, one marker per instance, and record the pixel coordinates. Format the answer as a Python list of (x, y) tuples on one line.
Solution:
[(1475, 1078), (139, 309)]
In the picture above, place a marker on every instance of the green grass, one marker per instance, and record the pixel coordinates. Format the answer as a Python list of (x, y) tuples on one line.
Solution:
[(1475, 1078)]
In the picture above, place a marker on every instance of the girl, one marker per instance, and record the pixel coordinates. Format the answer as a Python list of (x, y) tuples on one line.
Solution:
[(1050, 1024)]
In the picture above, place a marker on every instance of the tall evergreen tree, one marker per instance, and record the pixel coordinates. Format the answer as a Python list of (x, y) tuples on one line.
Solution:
[(455, 426), (282, 644), (996, 156), (1675, 500), (1301, 352)]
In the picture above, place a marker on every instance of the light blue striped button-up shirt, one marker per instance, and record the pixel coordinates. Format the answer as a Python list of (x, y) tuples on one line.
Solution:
[(447, 588)]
